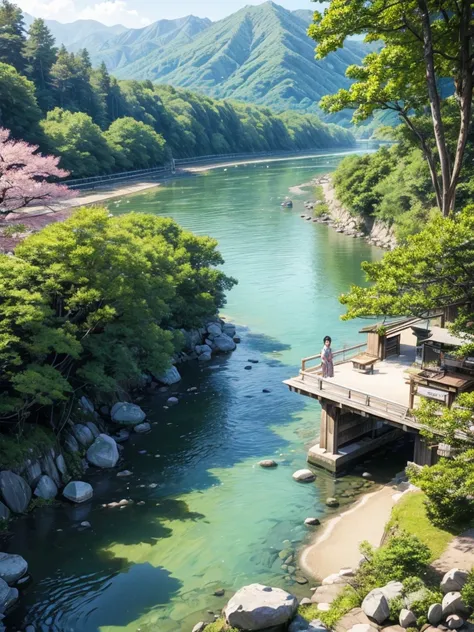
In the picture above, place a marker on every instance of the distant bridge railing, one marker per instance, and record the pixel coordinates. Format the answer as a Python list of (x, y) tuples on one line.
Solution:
[(115, 177)]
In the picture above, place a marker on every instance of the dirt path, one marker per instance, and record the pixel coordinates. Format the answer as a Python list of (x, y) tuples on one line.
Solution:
[(459, 554)]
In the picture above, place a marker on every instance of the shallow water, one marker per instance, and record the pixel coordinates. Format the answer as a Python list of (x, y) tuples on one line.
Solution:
[(212, 518)]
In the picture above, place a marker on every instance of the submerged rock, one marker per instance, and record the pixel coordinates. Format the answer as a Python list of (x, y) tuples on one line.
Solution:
[(127, 414), (12, 567), (256, 607), (78, 491), (332, 502), (312, 522), (15, 491), (268, 463), (142, 428)]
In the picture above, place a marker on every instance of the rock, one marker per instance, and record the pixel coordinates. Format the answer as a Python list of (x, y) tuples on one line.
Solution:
[(435, 614), (324, 607), (224, 343), (236, 339), (15, 491), (392, 590), (103, 452), (334, 578), (229, 329), (256, 607), (83, 435), (70, 443), (266, 390), (248, 368), (354, 617), (205, 357), (268, 463), (220, 592), (253, 361), (305, 602), (124, 473), (200, 349), (332, 502), (375, 606), (105, 411), (199, 627), (327, 594), (93, 428), (86, 404), (317, 626), (210, 344), (12, 567), (453, 581), (8, 596), (142, 428), (127, 414), (214, 329), (363, 627), (32, 473), (304, 476), (4, 512), (78, 491), (366, 475), (172, 401), (85, 524), (121, 436), (48, 466), (299, 624), (453, 604), (454, 622), (407, 618), (346, 572), (61, 465), (299, 579), (46, 488), (30, 628), (171, 376), (312, 522)]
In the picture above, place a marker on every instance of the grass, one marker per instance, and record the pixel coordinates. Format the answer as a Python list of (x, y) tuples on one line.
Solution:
[(409, 514), (343, 604), (14, 229), (32, 443), (37, 503), (219, 626)]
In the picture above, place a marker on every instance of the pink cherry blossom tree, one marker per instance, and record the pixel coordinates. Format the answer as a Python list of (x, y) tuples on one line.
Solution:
[(24, 175)]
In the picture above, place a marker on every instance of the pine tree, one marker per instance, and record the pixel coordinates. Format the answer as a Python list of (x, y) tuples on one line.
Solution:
[(12, 35), (62, 74), (41, 53)]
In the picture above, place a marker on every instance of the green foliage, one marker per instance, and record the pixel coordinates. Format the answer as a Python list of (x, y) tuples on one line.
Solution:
[(404, 555), (19, 111), (40, 54), (14, 229), (12, 38), (135, 145), (38, 503), (74, 464), (344, 603), (219, 626), (449, 489), (33, 442), (467, 591), (89, 302)]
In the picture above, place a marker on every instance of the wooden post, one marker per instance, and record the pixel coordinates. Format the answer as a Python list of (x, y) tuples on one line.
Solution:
[(329, 439), (423, 454)]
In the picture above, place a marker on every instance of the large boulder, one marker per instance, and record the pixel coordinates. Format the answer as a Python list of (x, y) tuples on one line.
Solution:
[(4, 512), (256, 607), (224, 343), (205, 357), (12, 567), (304, 476), (46, 488), (392, 590), (453, 581), (199, 349), (375, 606), (127, 414), (229, 329), (327, 594), (453, 604), (214, 329), (171, 376), (15, 491), (78, 491), (83, 435), (103, 452), (8, 596)]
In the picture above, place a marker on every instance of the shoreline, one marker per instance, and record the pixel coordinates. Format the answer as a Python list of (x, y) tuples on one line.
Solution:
[(336, 544)]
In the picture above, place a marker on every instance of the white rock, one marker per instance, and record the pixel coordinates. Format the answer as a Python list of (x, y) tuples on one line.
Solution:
[(70, 443), (312, 522), (407, 618), (171, 376), (375, 606), (256, 607), (224, 343), (103, 452), (435, 614), (268, 463), (334, 578), (229, 329), (453, 581), (453, 604), (304, 476), (78, 491), (32, 472), (46, 488), (199, 627), (323, 607), (142, 428), (12, 567), (316, 626), (127, 414), (346, 572), (305, 602), (124, 473), (392, 590)]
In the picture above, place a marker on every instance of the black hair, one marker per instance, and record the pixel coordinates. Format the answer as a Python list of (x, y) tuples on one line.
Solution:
[(327, 338)]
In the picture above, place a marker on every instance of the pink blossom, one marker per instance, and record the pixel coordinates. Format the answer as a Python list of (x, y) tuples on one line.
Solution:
[(24, 176)]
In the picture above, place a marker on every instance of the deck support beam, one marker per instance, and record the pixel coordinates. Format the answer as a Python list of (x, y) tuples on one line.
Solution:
[(329, 434)]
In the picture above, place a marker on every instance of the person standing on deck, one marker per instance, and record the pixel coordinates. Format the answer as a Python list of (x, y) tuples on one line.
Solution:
[(326, 358)]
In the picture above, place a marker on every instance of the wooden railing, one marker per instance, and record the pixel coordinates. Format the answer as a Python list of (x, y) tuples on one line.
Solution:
[(342, 355)]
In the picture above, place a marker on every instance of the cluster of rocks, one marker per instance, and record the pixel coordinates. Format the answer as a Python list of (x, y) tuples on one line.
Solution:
[(288, 559), (13, 575), (217, 336)]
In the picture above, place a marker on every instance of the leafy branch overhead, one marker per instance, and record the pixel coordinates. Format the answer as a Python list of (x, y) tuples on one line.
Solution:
[(423, 51)]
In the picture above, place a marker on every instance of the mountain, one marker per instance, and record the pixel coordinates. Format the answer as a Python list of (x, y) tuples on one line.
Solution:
[(259, 54), (76, 32)]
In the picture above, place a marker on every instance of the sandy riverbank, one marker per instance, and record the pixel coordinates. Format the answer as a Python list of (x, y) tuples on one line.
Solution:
[(337, 545)]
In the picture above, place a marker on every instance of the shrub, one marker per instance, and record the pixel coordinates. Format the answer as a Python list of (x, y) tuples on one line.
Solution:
[(344, 603), (468, 591)]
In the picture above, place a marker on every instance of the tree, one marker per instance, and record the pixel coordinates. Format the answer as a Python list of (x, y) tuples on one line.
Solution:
[(423, 43), (79, 142), (62, 74), (40, 53), (19, 111), (88, 302), (24, 176), (135, 145), (12, 35)]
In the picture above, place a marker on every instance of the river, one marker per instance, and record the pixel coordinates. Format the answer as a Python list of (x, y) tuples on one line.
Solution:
[(211, 517)]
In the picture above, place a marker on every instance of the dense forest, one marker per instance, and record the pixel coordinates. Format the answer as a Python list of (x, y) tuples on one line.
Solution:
[(99, 125)]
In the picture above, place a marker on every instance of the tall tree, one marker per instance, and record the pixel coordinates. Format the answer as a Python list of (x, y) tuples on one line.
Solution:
[(19, 111), (12, 35), (40, 53), (423, 43), (62, 73)]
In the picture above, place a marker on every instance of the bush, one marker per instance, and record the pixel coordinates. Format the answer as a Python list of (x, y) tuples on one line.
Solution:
[(344, 603), (468, 591), (404, 555)]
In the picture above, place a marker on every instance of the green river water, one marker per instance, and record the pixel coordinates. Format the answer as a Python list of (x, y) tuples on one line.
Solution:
[(212, 518)]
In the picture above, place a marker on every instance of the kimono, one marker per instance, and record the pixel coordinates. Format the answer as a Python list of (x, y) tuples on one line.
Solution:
[(327, 362)]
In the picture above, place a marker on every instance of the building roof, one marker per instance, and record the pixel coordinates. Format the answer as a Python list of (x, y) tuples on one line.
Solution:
[(444, 337)]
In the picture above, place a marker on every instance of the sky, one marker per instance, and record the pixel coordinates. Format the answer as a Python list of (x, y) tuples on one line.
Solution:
[(139, 13)]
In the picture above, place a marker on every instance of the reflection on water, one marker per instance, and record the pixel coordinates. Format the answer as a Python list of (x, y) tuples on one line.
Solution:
[(211, 517)]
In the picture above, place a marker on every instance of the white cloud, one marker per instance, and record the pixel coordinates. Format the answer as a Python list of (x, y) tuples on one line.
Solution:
[(112, 12), (50, 10)]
